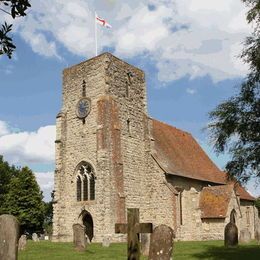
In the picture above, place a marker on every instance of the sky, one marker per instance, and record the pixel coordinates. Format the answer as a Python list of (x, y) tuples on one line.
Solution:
[(188, 49)]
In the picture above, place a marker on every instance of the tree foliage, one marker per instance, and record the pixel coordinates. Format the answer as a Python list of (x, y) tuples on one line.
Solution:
[(14, 8), (257, 204), (21, 197), (235, 125), (7, 172), (48, 216)]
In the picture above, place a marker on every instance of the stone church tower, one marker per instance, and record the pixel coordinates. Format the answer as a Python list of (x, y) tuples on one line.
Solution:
[(99, 146), (110, 156)]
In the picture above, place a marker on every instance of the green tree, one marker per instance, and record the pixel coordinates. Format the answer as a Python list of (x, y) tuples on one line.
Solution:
[(235, 123), (7, 172), (257, 204), (24, 200), (14, 8), (48, 216)]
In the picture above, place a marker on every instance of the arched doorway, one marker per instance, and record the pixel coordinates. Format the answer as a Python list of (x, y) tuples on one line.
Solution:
[(88, 223)]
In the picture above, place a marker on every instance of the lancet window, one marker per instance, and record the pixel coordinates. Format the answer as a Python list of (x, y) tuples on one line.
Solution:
[(85, 183)]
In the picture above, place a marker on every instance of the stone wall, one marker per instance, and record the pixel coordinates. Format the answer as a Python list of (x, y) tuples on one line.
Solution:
[(77, 142), (111, 139), (115, 139), (248, 219)]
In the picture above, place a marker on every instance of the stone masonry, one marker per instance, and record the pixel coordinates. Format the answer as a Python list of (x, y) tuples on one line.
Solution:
[(116, 139)]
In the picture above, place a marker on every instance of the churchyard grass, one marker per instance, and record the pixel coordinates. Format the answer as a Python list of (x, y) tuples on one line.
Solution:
[(45, 250)]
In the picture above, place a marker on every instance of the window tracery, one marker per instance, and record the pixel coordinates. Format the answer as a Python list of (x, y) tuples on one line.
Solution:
[(85, 183)]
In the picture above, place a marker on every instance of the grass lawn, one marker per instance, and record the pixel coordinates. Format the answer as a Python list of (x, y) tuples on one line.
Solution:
[(45, 250)]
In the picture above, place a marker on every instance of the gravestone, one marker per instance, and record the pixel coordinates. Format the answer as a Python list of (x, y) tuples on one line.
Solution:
[(257, 233), (145, 244), (9, 234), (41, 237), (133, 229), (106, 241), (87, 239), (161, 243), (22, 243), (231, 235), (245, 236), (79, 237), (35, 237)]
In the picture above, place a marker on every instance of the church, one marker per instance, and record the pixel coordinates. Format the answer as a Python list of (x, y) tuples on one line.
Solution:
[(110, 156)]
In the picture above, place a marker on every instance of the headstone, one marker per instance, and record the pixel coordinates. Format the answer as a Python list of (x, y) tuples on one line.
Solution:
[(42, 237), (161, 243), (9, 234), (87, 239), (22, 243), (257, 233), (106, 241), (145, 244), (245, 236), (79, 237), (133, 229), (35, 237), (46, 237), (231, 235)]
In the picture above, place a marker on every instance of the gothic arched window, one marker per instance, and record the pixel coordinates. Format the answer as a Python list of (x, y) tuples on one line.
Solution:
[(85, 182)]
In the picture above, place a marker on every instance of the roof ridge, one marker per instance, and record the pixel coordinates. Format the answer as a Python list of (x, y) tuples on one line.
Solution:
[(174, 127)]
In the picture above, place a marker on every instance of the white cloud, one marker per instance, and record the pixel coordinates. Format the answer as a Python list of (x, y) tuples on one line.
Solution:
[(24, 148), (28, 147), (46, 183), (4, 128), (191, 91), (183, 38)]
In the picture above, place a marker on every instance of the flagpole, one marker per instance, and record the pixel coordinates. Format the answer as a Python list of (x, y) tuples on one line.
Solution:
[(96, 32)]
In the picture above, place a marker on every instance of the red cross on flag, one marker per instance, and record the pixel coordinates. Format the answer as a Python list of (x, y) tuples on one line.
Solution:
[(102, 22)]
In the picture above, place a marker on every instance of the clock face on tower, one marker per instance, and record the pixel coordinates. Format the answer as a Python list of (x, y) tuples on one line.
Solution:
[(83, 107)]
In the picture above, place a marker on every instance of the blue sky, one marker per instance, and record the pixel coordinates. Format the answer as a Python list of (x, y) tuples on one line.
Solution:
[(188, 50)]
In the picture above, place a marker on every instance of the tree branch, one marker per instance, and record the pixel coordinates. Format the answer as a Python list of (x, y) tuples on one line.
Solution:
[(5, 11)]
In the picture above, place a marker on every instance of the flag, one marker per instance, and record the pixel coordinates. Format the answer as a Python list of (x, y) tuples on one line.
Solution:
[(102, 22)]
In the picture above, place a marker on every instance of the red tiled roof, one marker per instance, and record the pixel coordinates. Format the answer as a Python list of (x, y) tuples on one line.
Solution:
[(214, 201), (241, 191), (178, 153)]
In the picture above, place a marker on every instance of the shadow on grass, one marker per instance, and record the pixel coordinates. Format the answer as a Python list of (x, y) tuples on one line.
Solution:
[(244, 252)]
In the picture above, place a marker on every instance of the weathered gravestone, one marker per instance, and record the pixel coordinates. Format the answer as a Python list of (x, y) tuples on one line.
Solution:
[(161, 243), (231, 235), (245, 236), (145, 243), (9, 234), (257, 233), (22, 243), (79, 237), (106, 241), (133, 228), (35, 237)]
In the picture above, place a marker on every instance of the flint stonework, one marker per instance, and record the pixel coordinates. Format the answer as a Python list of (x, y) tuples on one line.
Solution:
[(161, 243), (9, 234), (124, 146), (79, 237), (231, 235)]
